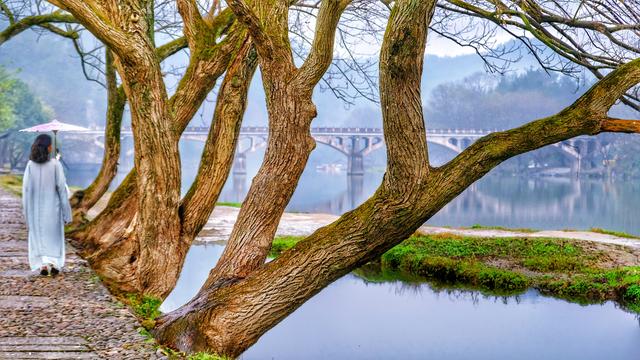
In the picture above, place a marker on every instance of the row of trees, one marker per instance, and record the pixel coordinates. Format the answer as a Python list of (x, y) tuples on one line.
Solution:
[(486, 102), (139, 242), (482, 101)]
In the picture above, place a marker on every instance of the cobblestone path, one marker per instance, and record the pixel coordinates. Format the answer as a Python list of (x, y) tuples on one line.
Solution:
[(71, 316)]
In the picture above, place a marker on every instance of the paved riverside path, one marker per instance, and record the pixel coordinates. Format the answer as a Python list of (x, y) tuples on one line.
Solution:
[(221, 222), (71, 316)]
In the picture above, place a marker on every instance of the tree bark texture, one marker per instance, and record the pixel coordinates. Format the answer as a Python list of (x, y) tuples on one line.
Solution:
[(83, 200), (113, 252), (219, 149)]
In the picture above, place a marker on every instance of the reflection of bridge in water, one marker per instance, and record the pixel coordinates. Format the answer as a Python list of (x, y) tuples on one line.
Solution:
[(516, 201), (501, 206), (357, 143), (346, 199), (543, 203)]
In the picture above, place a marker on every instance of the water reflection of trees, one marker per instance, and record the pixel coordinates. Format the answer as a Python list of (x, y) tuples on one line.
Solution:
[(402, 284), (524, 202), (405, 284)]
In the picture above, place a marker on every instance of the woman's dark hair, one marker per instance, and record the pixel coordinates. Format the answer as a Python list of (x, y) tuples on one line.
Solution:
[(40, 149)]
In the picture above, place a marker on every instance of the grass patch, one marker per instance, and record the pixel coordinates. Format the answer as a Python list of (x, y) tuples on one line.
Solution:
[(614, 233), (231, 204), (563, 268), (146, 308), (12, 183), (282, 243), (502, 228), (173, 354)]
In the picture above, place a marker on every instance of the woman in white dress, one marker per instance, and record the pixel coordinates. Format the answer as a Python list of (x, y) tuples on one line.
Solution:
[(46, 208)]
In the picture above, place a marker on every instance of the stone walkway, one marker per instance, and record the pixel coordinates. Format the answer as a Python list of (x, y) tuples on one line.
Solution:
[(71, 316)]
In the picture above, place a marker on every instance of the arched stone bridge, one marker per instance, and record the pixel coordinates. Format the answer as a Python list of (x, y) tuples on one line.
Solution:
[(354, 142)]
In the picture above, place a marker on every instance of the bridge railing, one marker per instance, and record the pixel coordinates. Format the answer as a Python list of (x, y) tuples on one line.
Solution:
[(263, 130)]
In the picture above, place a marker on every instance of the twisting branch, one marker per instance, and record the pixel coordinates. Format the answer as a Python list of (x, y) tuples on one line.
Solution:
[(192, 20), (620, 126), (70, 33), (90, 62), (321, 53), (95, 18), (166, 50), (83, 200), (217, 156), (18, 26), (209, 59)]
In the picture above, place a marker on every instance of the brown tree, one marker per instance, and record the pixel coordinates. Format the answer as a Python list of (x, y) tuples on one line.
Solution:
[(140, 241), (142, 226), (43, 18)]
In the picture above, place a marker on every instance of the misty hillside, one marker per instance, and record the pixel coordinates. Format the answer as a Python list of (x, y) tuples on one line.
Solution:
[(457, 92)]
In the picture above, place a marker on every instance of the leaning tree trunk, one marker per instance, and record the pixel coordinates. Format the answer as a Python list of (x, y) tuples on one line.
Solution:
[(289, 93), (219, 150), (83, 200), (157, 163), (109, 242), (230, 313), (111, 224), (229, 316), (290, 143), (98, 233)]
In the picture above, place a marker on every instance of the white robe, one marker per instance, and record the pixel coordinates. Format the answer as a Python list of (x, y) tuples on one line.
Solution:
[(46, 208)]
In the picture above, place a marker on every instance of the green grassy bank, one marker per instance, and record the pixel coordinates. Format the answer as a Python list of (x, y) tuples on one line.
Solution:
[(13, 183), (578, 271)]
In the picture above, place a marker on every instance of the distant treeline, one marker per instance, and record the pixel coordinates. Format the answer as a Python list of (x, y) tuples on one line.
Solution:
[(19, 108), (484, 101)]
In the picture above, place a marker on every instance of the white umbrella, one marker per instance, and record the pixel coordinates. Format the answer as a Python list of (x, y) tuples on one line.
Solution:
[(54, 126)]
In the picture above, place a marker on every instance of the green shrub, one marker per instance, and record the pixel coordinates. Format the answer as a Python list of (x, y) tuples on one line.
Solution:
[(633, 293), (147, 308)]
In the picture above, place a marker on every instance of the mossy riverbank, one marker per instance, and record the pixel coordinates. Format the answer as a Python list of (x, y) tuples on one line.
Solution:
[(578, 271)]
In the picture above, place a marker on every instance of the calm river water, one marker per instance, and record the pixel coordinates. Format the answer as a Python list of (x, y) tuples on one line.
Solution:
[(356, 319), (513, 201)]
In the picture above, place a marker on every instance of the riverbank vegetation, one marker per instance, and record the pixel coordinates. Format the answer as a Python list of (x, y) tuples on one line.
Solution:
[(19, 108), (614, 233), (579, 271), (501, 228), (13, 183), (230, 204), (146, 308)]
